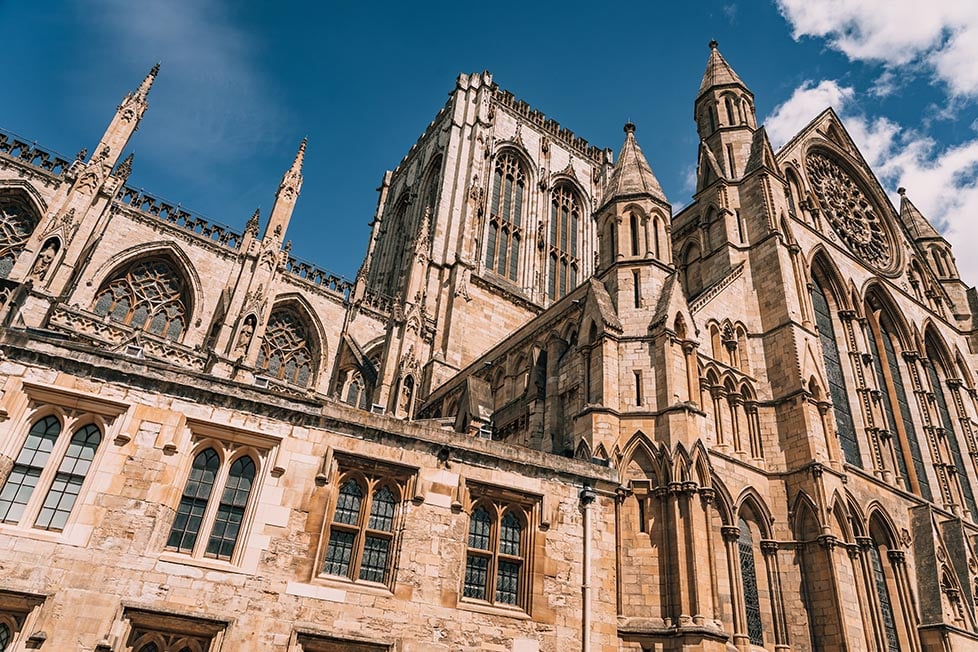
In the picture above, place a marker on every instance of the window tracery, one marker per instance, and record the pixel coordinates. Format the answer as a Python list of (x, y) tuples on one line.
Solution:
[(564, 262), (506, 216), (149, 295), (286, 353), (17, 221), (855, 218)]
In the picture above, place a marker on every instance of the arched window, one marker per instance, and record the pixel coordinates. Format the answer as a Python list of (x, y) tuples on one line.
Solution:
[(45, 442), (748, 574), (223, 524), (429, 197), (730, 105), (883, 595), (358, 394), (5, 636), (691, 270), (361, 535), (844, 426), (936, 376), (894, 397), (494, 563), (506, 216), (18, 219), (149, 295), (286, 352), (633, 222), (565, 220)]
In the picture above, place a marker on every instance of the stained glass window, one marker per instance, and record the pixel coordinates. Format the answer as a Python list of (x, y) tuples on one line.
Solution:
[(836, 378), (149, 295), (285, 351), (506, 216), (17, 221), (748, 574), (564, 262), (361, 536)]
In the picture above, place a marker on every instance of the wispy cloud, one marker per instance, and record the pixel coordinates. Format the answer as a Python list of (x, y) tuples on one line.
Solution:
[(211, 100), (941, 181), (941, 36)]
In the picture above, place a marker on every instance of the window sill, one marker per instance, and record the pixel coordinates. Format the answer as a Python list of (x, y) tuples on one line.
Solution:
[(359, 586), (24, 532), (208, 564), (478, 606)]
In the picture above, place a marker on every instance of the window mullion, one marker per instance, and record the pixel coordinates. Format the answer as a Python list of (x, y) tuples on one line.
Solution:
[(494, 555), (213, 502), (46, 479), (361, 529)]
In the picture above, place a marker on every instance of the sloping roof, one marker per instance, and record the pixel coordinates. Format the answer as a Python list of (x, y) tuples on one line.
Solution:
[(632, 176), (914, 220), (761, 153), (718, 71)]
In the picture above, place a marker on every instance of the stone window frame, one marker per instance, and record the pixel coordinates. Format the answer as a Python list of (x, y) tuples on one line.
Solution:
[(170, 631), (341, 467), (311, 640), (230, 444), (503, 500), (74, 410)]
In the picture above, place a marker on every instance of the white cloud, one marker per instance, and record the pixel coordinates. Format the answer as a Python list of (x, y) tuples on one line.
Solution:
[(942, 35), (941, 181)]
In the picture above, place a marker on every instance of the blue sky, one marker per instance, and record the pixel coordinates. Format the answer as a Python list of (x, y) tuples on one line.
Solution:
[(242, 83)]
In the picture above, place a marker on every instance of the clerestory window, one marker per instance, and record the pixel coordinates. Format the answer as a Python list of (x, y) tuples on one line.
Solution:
[(286, 350), (506, 216), (564, 262), (148, 295)]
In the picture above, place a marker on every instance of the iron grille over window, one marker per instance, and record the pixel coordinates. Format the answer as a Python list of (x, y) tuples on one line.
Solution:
[(149, 295), (17, 222), (285, 351), (564, 262), (45, 443), (748, 575), (506, 216), (836, 378), (495, 564), (362, 532)]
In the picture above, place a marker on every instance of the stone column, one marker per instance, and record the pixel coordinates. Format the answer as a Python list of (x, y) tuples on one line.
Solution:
[(769, 549), (908, 608), (731, 535)]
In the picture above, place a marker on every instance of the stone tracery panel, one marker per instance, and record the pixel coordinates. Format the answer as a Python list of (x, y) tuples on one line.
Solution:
[(17, 221), (149, 295), (854, 217)]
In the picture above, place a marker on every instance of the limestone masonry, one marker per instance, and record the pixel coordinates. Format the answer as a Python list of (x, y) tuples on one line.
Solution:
[(550, 414)]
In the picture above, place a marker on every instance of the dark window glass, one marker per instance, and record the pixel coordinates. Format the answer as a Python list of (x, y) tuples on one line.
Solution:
[(888, 411), (889, 623), (476, 576), (69, 479), (230, 511), (348, 504), (508, 582), (339, 553), (479, 527), (952, 437), (27, 468), (149, 295), (193, 504), (836, 378), (285, 351), (373, 567), (748, 575), (382, 510)]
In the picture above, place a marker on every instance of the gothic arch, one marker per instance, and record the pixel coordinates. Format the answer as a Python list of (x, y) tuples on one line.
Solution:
[(805, 524), (640, 451), (826, 273), (878, 298), (879, 523), (934, 343), (701, 464), (16, 187), (559, 178), (297, 307), (750, 501)]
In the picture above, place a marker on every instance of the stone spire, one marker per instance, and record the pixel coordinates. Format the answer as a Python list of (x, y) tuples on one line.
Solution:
[(127, 117), (632, 176), (718, 72), (914, 220), (285, 198)]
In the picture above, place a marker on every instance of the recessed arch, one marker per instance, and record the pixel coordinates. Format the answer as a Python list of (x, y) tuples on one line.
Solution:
[(294, 347)]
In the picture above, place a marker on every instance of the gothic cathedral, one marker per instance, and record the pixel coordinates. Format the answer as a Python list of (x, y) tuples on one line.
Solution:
[(550, 413)]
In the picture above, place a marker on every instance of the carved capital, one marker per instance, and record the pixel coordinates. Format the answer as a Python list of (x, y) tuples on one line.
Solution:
[(769, 547), (730, 533), (897, 557)]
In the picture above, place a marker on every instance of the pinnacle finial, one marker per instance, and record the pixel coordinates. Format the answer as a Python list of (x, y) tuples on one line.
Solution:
[(714, 44), (901, 191), (629, 127), (147, 84)]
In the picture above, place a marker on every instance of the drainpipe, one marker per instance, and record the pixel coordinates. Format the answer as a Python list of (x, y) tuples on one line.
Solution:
[(587, 499)]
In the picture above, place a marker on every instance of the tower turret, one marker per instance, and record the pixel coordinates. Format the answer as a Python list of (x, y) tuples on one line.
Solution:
[(725, 119)]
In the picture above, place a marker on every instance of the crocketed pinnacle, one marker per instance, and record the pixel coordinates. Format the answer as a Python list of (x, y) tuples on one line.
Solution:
[(143, 91), (718, 71), (632, 176), (293, 176), (914, 220)]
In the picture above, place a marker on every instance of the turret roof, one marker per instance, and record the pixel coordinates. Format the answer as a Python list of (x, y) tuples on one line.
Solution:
[(632, 176)]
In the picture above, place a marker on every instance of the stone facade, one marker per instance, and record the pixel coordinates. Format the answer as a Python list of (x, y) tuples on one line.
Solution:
[(550, 413)]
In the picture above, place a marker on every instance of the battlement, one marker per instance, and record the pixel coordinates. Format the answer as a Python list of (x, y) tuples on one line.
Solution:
[(17, 148), (144, 202), (566, 136), (332, 283)]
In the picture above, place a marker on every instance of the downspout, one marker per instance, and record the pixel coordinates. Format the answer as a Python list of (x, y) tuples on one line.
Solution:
[(587, 499)]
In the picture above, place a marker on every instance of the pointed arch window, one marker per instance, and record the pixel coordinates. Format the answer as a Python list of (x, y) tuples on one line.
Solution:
[(358, 393), (506, 216), (429, 197), (149, 295), (883, 594), (748, 574), (836, 377), (218, 517), (17, 222), (564, 261), (361, 535), (286, 353), (47, 441), (947, 423)]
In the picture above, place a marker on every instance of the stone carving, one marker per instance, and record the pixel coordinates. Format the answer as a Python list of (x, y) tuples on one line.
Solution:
[(853, 216), (43, 262), (244, 335)]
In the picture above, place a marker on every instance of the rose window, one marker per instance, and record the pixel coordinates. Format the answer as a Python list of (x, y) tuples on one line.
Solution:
[(854, 217)]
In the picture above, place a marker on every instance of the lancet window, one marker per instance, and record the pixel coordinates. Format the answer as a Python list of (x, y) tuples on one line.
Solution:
[(883, 594), (149, 295), (564, 261), (286, 352), (506, 216), (836, 378), (17, 221), (748, 574)]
